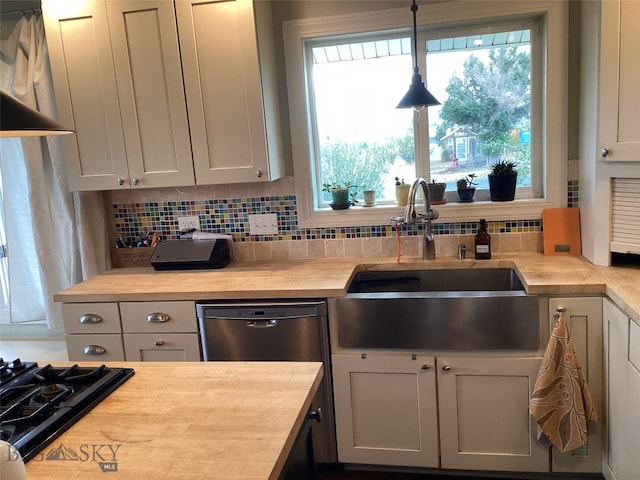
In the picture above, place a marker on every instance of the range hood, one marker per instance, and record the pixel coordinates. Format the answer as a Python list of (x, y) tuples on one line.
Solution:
[(19, 120)]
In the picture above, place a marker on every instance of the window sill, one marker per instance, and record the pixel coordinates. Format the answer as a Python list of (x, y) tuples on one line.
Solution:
[(526, 209)]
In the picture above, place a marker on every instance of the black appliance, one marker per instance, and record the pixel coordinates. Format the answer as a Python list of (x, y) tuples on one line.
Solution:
[(191, 254), (38, 403)]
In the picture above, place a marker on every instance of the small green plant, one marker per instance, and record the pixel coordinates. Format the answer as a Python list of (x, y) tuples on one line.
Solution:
[(334, 186), (400, 182), (327, 187), (467, 182), (503, 167)]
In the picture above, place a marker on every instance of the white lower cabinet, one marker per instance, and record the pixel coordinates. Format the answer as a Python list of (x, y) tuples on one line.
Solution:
[(584, 321), (93, 332), (166, 347), (160, 331), (389, 412), (484, 414), (132, 331), (385, 408), (622, 381)]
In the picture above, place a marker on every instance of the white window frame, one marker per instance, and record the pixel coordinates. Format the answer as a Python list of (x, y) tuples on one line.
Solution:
[(552, 93)]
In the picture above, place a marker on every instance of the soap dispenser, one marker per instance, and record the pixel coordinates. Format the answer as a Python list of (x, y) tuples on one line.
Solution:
[(483, 242)]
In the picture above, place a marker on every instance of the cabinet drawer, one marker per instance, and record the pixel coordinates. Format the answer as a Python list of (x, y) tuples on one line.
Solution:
[(634, 344), (162, 347), (106, 347), (91, 318), (146, 317)]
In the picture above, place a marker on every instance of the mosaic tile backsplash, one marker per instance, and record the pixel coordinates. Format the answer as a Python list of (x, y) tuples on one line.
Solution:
[(226, 210), (230, 215)]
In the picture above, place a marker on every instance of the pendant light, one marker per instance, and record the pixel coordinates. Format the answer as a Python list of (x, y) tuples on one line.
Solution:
[(418, 96), (19, 120)]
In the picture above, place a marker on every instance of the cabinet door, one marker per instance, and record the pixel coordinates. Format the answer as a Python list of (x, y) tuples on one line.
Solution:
[(584, 321), (223, 85), (385, 408), (484, 414), (622, 380), (151, 92), (162, 347), (86, 93), (619, 79), (631, 467)]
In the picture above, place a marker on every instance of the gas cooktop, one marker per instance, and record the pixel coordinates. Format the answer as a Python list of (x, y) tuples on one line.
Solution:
[(38, 403)]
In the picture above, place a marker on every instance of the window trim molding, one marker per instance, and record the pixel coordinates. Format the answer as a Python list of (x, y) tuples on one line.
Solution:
[(553, 93)]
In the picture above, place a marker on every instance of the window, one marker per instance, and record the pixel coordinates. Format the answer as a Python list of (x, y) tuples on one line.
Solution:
[(360, 136), (484, 81), (500, 89)]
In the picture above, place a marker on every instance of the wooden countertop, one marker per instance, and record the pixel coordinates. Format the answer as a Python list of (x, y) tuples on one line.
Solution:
[(543, 275), (202, 420)]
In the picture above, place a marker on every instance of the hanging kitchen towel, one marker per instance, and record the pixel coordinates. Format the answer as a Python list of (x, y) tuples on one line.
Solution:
[(561, 401)]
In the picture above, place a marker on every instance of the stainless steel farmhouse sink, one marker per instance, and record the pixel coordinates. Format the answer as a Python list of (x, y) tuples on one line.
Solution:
[(450, 309)]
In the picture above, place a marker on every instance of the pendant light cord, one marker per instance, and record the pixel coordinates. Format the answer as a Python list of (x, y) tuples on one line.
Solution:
[(414, 9)]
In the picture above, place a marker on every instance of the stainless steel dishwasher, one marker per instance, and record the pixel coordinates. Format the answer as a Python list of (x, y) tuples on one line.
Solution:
[(283, 330)]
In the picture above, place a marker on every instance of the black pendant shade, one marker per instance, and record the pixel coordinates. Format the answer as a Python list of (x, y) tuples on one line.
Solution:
[(19, 120), (418, 96)]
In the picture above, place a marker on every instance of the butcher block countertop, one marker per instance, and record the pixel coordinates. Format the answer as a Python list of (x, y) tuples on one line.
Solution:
[(543, 275), (203, 420)]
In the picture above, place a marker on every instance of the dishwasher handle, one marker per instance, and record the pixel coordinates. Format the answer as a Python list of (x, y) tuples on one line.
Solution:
[(261, 323)]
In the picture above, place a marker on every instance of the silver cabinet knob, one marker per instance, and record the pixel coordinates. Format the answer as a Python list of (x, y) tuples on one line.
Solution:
[(135, 181), (120, 181), (90, 319), (159, 343), (426, 366), (446, 368), (315, 415), (94, 350), (259, 173), (158, 317), (605, 152)]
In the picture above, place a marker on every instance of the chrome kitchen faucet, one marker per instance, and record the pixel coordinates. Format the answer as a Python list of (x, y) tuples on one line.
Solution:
[(412, 217)]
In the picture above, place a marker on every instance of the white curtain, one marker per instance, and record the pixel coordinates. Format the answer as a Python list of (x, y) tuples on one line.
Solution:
[(55, 238)]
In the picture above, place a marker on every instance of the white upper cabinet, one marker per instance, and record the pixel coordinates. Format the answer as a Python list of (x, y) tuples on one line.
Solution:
[(231, 96), (86, 93), (120, 72), (619, 80), (150, 91)]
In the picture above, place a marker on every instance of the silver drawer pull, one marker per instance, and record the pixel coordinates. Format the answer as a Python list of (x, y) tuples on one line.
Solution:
[(90, 318), (94, 350), (158, 317), (159, 343)]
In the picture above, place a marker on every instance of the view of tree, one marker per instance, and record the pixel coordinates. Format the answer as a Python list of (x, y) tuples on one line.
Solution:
[(491, 100), (360, 164)]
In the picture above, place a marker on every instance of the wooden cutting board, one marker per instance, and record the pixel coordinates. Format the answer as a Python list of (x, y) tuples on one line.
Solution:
[(561, 231)]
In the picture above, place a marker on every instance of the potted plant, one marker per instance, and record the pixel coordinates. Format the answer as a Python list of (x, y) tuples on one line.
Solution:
[(369, 197), (342, 195), (502, 181), (402, 192), (436, 191), (466, 188)]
